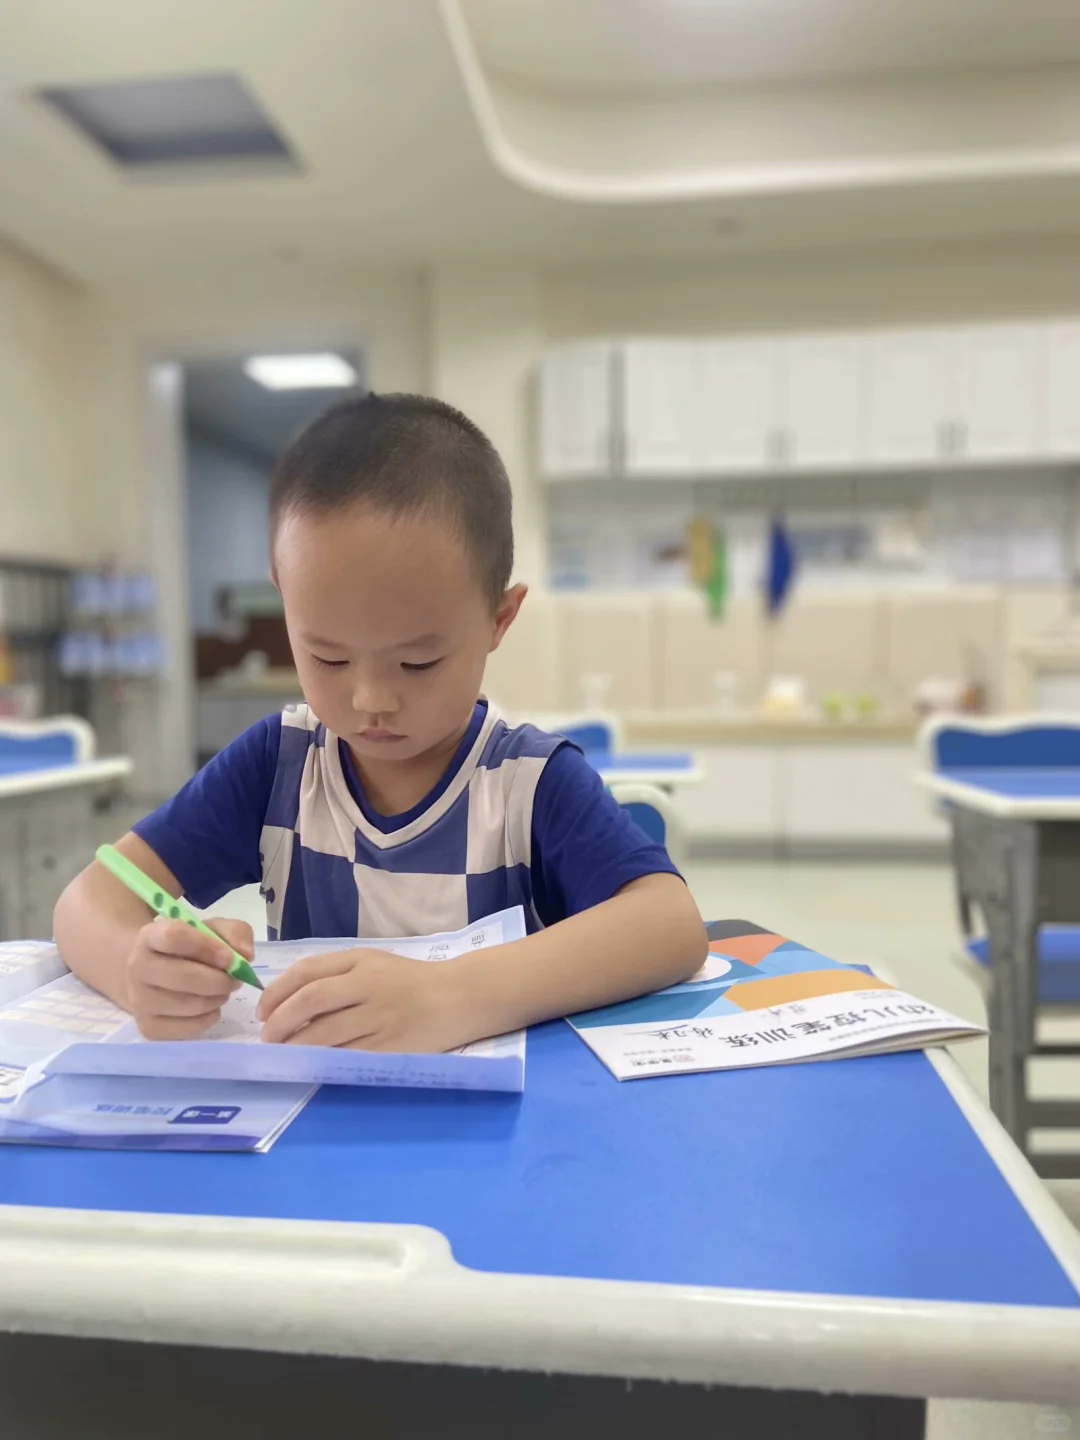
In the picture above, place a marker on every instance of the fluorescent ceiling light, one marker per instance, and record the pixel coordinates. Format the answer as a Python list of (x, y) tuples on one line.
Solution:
[(301, 372)]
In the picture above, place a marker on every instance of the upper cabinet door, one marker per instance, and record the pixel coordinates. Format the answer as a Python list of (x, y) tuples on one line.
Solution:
[(997, 392), (740, 405), (576, 411), (910, 397), (1059, 346), (662, 406), (823, 404)]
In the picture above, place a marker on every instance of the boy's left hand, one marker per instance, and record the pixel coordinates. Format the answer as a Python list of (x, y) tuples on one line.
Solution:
[(366, 1000)]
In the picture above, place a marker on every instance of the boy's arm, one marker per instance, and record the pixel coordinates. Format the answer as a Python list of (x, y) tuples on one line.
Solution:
[(647, 936), (97, 920), (202, 843)]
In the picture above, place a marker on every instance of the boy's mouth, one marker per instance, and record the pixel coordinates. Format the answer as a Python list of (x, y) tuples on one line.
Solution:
[(380, 737)]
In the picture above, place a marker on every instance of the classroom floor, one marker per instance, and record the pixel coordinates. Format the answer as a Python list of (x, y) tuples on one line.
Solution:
[(901, 918)]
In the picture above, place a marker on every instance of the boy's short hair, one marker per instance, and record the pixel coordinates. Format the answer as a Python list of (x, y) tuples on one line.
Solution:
[(404, 455)]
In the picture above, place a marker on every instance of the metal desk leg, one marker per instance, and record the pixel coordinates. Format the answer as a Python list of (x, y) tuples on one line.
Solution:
[(997, 870)]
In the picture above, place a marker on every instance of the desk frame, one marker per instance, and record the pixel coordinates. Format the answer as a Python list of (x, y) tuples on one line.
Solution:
[(395, 1294), (1020, 874), (47, 834), (1016, 861)]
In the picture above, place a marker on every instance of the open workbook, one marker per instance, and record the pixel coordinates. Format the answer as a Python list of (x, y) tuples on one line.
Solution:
[(761, 999), (74, 1069)]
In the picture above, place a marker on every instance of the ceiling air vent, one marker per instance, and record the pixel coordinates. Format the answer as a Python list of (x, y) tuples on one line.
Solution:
[(199, 119)]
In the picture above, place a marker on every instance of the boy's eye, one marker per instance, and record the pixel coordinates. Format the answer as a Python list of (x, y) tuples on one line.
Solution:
[(329, 664), (414, 669)]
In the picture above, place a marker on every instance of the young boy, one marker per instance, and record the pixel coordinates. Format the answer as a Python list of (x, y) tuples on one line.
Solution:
[(407, 806)]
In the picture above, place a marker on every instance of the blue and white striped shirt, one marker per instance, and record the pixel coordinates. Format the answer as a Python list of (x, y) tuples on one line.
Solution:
[(519, 817)]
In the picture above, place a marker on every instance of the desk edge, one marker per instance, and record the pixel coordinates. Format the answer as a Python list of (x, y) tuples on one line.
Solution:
[(396, 1293)]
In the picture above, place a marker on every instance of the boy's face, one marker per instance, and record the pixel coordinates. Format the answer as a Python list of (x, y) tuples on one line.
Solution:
[(388, 625)]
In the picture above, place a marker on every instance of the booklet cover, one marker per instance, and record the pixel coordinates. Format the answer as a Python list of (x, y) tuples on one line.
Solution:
[(761, 999)]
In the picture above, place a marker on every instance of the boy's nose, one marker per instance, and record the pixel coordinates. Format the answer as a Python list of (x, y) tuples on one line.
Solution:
[(374, 702)]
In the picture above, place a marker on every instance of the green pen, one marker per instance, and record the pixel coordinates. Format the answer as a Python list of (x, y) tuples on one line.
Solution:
[(164, 904)]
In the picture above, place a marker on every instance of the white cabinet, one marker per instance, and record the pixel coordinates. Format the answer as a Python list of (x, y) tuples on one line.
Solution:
[(959, 395), (856, 794), (662, 407), (910, 396), (1059, 428), (576, 411), (767, 405), (738, 798), (740, 405), (956, 396), (822, 402), (997, 392)]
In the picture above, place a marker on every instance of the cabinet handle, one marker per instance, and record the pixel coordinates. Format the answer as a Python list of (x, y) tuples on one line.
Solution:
[(617, 449), (777, 448)]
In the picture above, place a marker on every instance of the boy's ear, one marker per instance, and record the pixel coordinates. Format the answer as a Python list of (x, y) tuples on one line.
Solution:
[(506, 613)]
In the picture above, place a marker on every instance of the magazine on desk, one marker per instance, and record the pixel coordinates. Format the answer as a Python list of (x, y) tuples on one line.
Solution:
[(761, 999), (75, 1070)]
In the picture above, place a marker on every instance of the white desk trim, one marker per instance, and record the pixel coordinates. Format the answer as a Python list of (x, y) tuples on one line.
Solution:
[(387, 1292), (64, 777), (986, 802), (642, 775)]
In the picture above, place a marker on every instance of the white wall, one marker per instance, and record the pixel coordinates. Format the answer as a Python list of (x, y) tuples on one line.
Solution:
[(827, 289), (228, 496), (77, 454), (485, 341), (44, 352), (238, 312), (256, 308)]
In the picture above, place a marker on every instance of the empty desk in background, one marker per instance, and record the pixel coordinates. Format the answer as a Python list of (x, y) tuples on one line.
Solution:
[(47, 832), (823, 1244), (668, 770), (1016, 847)]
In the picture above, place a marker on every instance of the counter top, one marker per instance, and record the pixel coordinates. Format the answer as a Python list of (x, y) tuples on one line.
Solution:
[(674, 729), (703, 727)]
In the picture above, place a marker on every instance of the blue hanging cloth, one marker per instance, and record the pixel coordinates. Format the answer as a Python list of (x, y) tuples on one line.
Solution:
[(780, 573)]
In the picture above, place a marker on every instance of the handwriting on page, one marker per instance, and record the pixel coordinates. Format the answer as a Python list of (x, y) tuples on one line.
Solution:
[(273, 958), (478, 938)]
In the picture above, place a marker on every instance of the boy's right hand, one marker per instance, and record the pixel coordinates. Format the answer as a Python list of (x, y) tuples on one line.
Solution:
[(177, 978)]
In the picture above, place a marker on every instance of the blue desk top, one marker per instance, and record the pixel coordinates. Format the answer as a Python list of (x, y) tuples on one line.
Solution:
[(19, 752), (26, 765), (853, 1177), (610, 760), (1020, 783)]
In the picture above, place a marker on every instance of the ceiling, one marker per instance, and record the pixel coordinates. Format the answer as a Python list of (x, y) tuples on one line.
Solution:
[(625, 45), (661, 101), (222, 402), (396, 167)]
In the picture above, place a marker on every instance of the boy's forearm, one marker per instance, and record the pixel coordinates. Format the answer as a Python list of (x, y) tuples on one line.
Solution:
[(97, 919), (648, 936)]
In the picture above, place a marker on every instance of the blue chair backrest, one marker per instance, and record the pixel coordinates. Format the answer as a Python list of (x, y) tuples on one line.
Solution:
[(591, 735), (957, 746), (648, 819), (37, 752)]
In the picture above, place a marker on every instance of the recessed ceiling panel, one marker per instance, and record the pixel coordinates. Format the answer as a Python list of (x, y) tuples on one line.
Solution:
[(191, 119)]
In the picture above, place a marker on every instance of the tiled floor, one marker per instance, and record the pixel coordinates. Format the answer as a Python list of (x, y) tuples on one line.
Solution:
[(900, 917)]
